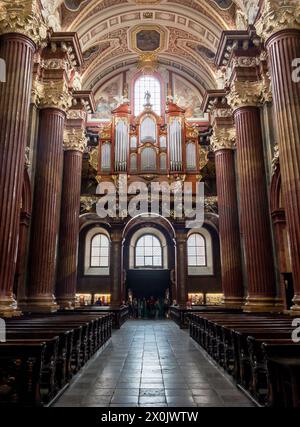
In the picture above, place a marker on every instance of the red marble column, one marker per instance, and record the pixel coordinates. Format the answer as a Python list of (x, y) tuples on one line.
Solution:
[(45, 224), (17, 50), (255, 217), (69, 229), (232, 275), (181, 268), (283, 47), (116, 266)]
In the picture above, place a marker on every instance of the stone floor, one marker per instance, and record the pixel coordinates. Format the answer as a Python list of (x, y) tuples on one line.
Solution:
[(152, 363)]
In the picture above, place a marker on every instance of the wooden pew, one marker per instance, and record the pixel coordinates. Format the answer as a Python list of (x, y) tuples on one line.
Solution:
[(68, 341), (235, 342), (21, 368), (283, 370)]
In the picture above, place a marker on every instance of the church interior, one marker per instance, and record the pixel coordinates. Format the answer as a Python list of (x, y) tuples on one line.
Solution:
[(116, 118)]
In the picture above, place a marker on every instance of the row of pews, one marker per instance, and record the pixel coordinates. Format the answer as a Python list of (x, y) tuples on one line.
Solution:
[(120, 315), (257, 350), (181, 316), (42, 354)]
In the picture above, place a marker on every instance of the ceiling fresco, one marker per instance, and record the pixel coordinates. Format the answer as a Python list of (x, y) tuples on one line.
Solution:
[(187, 97), (148, 40)]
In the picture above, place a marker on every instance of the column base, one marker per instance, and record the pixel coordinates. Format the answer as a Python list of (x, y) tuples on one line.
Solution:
[(67, 303), (262, 305), (40, 305), (233, 302), (9, 307)]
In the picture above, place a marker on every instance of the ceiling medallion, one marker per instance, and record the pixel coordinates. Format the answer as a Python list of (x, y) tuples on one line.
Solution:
[(148, 63), (148, 38)]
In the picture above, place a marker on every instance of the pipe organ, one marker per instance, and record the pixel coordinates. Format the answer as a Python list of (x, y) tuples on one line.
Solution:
[(175, 135), (121, 145), (149, 144)]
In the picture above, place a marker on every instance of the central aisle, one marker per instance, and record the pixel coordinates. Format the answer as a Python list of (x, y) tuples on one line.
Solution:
[(152, 363)]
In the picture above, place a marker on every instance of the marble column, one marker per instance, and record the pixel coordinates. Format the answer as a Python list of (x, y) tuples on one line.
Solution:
[(254, 217), (116, 266), (279, 26), (46, 205), (74, 144), (231, 259), (18, 41), (181, 267)]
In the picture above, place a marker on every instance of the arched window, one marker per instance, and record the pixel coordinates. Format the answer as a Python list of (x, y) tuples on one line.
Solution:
[(142, 85), (148, 252), (99, 251), (197, 251)]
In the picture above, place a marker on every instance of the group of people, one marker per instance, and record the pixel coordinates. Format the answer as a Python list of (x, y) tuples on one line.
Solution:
[(151, 308)]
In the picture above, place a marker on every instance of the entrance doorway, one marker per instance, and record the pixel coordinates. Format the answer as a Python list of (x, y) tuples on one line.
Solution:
[(148, 283)]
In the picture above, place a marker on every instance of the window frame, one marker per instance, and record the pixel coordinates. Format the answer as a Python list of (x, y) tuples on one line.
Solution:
[(149, 267), (88, 270), (153, 76), (205, 251), (209, 269), (91, 252)]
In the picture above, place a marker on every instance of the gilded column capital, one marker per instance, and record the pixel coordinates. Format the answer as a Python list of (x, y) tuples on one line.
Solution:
[(75, 140), (278, 15), (23, 17), (223, 139), (54, 94), (249, 94)]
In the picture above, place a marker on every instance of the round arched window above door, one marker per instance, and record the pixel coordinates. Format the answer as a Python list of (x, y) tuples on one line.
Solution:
[(148, 252)]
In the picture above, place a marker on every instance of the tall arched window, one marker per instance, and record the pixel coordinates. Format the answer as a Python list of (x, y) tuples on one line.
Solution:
[(99, 251), (197, 251), (142, 85), (148, 252)]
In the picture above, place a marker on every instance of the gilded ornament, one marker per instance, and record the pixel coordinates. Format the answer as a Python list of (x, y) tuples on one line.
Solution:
[(23, 17), (278, 15), (75, 140), (223, 138)]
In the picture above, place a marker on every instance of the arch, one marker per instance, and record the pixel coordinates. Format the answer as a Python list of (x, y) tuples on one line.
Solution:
[(155, 219), (92, 219)]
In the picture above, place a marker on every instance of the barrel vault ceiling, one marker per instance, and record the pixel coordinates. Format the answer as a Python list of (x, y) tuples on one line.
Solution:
[(112, 31)]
